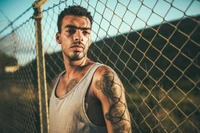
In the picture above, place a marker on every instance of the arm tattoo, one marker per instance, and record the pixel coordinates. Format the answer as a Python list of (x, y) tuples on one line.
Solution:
[(117, 114)]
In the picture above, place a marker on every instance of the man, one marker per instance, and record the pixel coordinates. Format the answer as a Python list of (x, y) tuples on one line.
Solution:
[(87, 97)]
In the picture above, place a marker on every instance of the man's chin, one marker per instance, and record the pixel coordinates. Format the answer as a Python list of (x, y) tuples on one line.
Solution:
[(76, 58)]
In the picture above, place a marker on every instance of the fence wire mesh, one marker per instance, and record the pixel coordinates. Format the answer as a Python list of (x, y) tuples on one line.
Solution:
[(156, 57)]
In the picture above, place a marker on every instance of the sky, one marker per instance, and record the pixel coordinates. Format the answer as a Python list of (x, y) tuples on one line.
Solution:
[(11, 9), (139, 15)]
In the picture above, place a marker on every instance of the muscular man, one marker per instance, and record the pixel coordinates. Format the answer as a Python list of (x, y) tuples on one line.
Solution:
[(87, 97)]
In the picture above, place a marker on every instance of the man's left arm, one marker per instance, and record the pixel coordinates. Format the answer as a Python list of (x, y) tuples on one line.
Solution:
[(111, 93)]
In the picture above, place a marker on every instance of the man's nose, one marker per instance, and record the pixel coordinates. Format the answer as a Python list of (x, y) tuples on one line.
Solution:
[(78, 36)]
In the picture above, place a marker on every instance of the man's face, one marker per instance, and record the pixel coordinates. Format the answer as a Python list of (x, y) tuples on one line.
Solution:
[(74, 37)]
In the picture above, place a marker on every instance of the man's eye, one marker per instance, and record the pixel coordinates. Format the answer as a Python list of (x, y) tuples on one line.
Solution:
[(86, 32), (70, 31)]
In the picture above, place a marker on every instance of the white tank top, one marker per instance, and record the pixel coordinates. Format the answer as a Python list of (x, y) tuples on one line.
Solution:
[(67, 114)]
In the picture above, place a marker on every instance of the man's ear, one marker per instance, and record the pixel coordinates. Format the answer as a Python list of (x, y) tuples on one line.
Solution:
[(58, 38)]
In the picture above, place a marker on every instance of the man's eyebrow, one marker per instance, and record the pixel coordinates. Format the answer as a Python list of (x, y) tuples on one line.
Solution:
[(75, 27)]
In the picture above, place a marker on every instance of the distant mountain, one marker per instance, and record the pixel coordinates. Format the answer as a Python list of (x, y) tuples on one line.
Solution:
[(167, 49)]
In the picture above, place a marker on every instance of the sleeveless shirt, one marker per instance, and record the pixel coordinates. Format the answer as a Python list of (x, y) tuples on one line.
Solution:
[(67, 114)]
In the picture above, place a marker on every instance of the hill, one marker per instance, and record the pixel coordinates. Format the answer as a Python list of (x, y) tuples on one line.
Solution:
[(168, 49)]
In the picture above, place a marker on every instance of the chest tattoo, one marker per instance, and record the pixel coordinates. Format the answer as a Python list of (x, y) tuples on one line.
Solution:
[(72, 83)]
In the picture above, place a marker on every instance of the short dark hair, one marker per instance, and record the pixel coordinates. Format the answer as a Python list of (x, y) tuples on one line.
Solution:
[(73, 10)]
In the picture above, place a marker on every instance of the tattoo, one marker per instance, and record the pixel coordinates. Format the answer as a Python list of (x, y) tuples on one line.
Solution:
[(109, 84), (71, 84)]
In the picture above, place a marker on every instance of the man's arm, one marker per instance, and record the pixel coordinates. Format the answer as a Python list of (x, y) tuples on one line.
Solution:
[(110, 91)]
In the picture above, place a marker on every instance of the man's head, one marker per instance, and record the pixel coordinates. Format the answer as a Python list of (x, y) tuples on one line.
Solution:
[(73, 10), (74, 28)]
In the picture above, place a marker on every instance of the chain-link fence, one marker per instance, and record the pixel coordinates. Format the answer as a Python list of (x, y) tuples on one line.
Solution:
[(154, 46)]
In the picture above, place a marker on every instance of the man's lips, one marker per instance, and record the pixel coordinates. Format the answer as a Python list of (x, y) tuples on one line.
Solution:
[(77, 46)]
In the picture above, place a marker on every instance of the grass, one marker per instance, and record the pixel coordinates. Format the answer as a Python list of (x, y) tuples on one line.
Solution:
[(155, 110), (152, 109)]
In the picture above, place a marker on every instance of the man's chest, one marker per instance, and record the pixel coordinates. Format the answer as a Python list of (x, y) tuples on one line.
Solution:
[(64, 87)]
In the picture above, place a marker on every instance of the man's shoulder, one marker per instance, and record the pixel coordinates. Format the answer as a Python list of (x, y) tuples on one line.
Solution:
[(106, 80), (103, 72), (102, 69)]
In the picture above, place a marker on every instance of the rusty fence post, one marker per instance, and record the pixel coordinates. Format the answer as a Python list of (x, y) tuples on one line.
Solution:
[(41, 69)]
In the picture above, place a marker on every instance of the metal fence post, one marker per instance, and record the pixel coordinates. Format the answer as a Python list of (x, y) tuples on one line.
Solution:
[(41, 69)]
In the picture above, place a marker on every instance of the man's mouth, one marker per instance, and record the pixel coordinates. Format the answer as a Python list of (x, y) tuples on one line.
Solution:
[(77, 47)]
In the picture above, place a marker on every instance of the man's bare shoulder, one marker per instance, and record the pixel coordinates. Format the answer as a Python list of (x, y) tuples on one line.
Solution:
[(104, 79), (106, 71), (102, 70)]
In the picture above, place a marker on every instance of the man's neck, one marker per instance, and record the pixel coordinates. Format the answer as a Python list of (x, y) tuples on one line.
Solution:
[(72, 67)]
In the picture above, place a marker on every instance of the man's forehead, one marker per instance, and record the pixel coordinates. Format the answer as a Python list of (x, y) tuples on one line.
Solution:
[(77, 21)]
